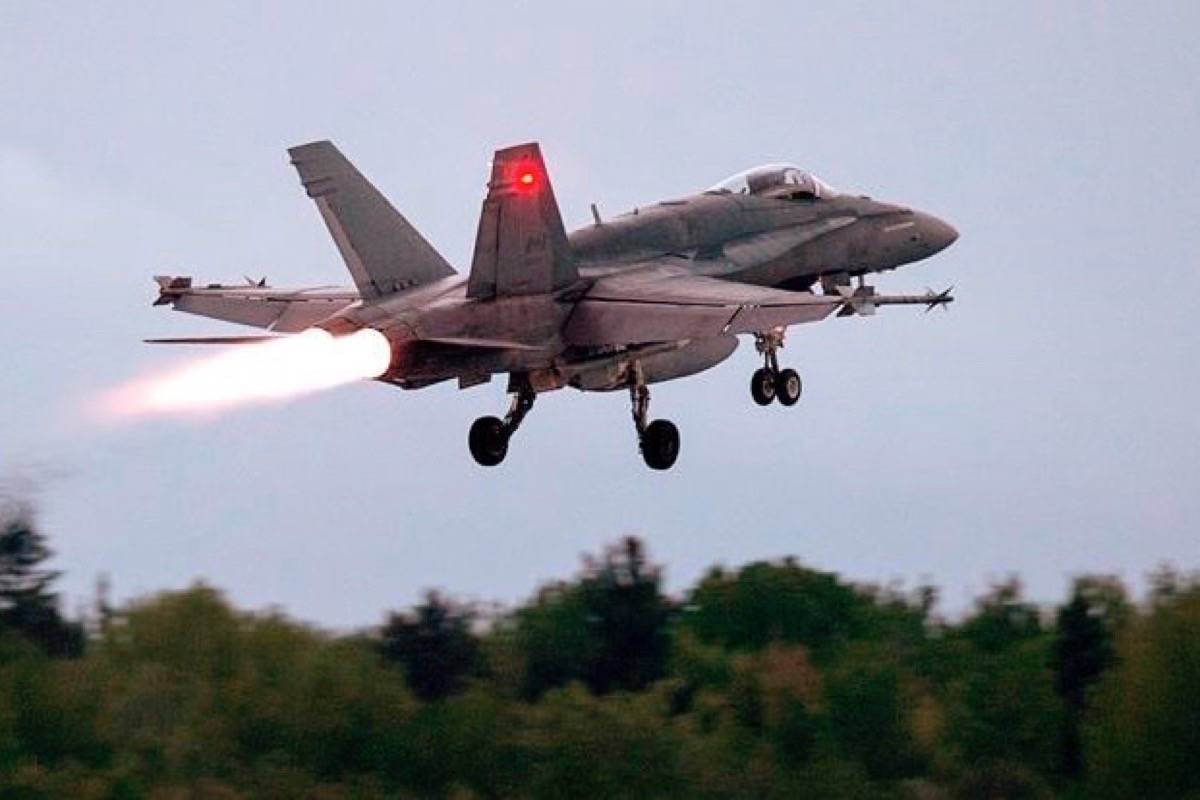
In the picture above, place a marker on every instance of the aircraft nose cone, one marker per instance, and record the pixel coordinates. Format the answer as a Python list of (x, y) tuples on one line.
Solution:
[(937, 233)]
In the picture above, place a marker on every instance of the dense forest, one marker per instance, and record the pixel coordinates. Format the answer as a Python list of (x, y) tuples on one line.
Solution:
[(768, 680)]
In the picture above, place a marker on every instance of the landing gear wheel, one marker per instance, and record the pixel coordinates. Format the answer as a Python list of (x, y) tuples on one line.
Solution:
[(788, 387), (762, 386), (489, 436), (658, 440), (660, 444), (488, 441)]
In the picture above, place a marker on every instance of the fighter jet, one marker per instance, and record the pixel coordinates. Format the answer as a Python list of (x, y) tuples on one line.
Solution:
[(659, 293)]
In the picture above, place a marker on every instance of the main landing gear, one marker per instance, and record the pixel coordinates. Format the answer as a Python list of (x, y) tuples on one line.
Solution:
[(488, 438), (658, 440), (770, 382)]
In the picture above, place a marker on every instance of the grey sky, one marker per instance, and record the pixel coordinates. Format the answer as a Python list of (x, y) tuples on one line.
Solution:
[(1046, 425)]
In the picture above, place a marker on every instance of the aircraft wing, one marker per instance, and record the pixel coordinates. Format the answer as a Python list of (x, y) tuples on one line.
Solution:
[(258, 305), (667, 302)]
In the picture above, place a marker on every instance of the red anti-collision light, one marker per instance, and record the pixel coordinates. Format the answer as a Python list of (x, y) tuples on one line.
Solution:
[(525, 175)]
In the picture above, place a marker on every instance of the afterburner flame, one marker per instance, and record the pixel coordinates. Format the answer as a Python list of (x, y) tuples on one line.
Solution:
[(253, 374)]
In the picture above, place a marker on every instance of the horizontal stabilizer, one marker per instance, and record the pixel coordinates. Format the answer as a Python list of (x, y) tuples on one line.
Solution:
[(278, 310), (213, 340)]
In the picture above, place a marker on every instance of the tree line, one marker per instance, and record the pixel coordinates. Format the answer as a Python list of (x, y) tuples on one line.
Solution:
[(769, 680)]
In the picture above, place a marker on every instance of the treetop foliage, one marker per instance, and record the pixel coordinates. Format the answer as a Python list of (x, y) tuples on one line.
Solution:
[(27, 603), (770, 680)]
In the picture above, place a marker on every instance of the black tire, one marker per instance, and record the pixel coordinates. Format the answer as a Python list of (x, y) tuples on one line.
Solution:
[(788, 387), (488, 441), (762, 386), (660, 444)]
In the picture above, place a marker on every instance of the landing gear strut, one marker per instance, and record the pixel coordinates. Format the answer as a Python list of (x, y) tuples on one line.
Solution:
[(488, 438), (658, 440), (770, 382)]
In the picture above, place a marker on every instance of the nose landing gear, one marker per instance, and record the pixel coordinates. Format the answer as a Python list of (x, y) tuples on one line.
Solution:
[(770, 382)]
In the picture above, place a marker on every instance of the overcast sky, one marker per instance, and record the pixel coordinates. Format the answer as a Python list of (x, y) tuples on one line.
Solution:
[(1046, 425)]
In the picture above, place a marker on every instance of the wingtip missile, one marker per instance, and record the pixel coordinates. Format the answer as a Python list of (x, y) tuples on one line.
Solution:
[(934, 299), (863, 301), (170, 287)]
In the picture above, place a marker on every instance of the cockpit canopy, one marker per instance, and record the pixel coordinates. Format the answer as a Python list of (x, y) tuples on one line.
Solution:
[(777, 180)]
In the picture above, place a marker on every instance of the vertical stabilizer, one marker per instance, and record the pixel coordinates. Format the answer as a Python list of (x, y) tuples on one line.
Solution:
[(382, 250), (521, 246)]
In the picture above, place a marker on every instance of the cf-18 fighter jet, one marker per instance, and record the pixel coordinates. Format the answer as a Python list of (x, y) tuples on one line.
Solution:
[(655, 294)]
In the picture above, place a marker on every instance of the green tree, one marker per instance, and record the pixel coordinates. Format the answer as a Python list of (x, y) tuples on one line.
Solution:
[(435, 646), (1002, 705), (765, 602), (193, 690), (552, 638), (1143, 739), (1002, 619), (871, 712), (48, 716), (1004, 780), (27, 603), (626, 617), (1084, 648), (616, 746), (608, 629)]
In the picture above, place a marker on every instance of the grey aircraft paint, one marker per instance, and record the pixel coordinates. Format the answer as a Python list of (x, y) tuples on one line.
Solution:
[(656, 294)]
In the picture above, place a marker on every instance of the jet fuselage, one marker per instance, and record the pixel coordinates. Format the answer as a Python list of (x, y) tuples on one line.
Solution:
[(753, 239), (774, 241)]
